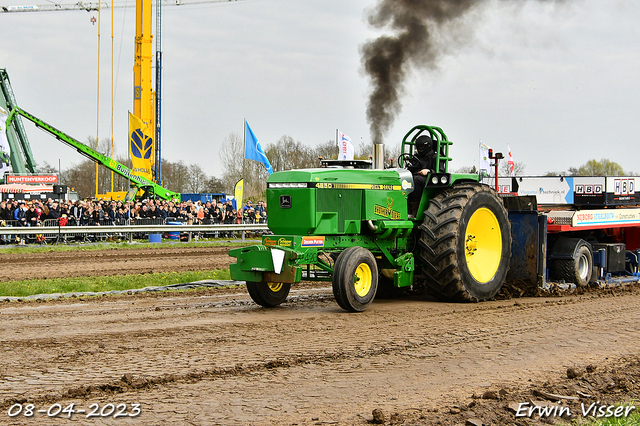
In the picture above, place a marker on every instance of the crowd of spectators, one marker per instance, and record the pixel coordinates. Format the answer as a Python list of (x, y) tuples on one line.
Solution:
[(101, 212)]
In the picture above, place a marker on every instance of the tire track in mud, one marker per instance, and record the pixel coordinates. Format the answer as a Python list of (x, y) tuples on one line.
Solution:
[(192, 341), (120, 261)]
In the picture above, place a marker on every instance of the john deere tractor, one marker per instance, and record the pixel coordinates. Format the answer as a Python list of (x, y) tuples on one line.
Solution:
[(351, 226)]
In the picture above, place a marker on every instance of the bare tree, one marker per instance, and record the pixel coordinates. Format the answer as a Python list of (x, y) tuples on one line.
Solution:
[(196, 178), (518, 168), (327, 150), (231, 158)]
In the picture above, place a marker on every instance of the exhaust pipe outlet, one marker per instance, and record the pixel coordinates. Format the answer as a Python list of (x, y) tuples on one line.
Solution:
[(378, 156)]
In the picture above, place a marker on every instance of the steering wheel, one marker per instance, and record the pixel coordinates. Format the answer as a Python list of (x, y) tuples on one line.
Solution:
[(408, 160)]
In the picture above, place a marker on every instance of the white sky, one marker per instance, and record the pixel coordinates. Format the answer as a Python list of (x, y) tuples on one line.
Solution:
[(559, 83)]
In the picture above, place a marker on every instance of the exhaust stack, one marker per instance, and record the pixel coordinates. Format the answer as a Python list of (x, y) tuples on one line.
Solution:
[(378, 156)]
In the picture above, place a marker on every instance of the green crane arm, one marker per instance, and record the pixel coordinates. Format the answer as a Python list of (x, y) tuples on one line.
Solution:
[(151, 188), (22, 160)]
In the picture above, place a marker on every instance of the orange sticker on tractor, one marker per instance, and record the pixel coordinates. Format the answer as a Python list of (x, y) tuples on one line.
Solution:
[(312, 241)]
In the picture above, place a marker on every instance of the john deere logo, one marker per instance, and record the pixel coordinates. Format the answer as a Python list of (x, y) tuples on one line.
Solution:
[(387, 211), (141, 145)]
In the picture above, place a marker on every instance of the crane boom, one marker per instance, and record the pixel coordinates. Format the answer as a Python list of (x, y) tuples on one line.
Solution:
[(150, 188), (93, 6)]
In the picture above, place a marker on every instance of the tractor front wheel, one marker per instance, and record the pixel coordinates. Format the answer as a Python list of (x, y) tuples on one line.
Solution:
[(268, 295), (355, 279), (465, 243)]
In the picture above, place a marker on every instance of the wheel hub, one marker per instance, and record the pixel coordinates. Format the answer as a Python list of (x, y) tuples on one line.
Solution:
[(483, 245), (275, 287), (362, 280)]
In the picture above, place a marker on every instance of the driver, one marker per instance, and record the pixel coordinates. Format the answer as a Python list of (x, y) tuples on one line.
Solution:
[(422, 163)]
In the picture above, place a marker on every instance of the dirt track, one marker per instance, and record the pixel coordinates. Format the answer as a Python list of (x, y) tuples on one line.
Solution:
[(213, 357), (112, 262)]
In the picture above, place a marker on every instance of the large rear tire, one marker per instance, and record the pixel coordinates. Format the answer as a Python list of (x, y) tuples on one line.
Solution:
[(465, 243), (355, 279), (268, 295)]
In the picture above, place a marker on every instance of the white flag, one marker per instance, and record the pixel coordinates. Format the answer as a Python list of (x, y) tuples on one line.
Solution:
[(511, 164), (5, 162), (345, 146), (484, 165)]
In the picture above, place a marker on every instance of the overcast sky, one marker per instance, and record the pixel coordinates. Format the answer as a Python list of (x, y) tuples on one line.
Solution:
[(558, 82)]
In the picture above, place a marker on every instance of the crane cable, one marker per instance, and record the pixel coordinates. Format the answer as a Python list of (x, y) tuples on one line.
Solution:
[(98, 95), (112, 94)]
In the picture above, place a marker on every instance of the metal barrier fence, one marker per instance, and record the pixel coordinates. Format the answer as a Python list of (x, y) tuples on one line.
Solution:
[(59, 231)]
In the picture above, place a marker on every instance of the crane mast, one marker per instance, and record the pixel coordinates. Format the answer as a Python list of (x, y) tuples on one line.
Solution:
[(142, 84)]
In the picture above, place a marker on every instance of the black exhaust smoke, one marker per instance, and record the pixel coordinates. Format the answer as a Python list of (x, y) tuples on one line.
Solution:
[(423, 30), (416, 25)]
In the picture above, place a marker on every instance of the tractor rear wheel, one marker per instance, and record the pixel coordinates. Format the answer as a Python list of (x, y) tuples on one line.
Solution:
[(268, 295), (355, 279), (465, 243)]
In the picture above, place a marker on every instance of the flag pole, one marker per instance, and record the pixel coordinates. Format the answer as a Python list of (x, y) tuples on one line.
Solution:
[(244, 142)]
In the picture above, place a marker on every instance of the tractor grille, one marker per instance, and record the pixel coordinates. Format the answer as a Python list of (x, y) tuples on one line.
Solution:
[(347, 203)]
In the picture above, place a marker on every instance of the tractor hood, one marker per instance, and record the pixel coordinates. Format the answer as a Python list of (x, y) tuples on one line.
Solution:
[(335, 201)]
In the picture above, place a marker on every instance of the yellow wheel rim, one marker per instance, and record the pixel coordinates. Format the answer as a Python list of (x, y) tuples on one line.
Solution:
[(363, 279), (275, 287), (483, 245)]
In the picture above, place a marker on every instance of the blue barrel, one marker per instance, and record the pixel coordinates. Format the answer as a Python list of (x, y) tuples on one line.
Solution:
[(174, 235), (155, 238)]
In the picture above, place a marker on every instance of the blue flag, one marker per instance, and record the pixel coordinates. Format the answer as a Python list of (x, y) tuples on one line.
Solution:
[(253, 150)]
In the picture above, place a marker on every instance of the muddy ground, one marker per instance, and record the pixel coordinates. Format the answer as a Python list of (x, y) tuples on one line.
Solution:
[(213, 357)]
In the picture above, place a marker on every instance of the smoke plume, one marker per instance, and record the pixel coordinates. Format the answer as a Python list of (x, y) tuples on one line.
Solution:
[(416, 26)]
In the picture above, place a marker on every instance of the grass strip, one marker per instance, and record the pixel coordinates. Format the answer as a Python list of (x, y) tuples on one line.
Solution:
[(117, 282)]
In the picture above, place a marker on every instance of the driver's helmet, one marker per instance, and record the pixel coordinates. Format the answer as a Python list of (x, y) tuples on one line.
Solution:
[(424, 144)]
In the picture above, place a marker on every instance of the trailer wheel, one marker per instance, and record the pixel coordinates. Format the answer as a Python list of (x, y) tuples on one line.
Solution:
[(577, 270), (268, 295), (465, 243), (355, 279)]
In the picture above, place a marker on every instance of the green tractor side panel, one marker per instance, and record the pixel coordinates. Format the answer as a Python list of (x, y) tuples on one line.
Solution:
[(334, 201)]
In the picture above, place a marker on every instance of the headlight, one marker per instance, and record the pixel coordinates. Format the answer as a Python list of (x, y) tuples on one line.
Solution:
[(434, 180), (443, 180), (288, 185)]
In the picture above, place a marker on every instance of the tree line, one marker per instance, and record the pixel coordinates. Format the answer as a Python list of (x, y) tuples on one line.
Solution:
[(285, 154), (593, 167)]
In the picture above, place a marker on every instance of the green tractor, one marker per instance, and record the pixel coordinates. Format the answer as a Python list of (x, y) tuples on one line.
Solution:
[(351, 226)]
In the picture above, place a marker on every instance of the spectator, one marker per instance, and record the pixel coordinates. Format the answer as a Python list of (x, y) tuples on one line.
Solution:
[(218, 214), (32, 215), (249, 216), (77, 212), (152, 213), (200, 215), (5, 211), (162, 212), (54, 211)]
